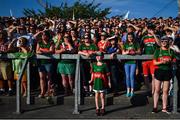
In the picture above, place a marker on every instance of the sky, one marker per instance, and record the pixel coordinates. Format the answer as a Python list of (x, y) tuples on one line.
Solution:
[(137, 8)]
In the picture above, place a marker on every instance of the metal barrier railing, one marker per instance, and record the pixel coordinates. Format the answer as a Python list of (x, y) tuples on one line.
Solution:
[(77, 57)]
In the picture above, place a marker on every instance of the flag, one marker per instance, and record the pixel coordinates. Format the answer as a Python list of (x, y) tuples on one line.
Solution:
[(126, 15)]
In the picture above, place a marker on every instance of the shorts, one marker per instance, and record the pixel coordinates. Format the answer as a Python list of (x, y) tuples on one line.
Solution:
[(5, 70), (47, 68), (100, 91), (163, 75), (66, 68), (148, 65), (24, 78)]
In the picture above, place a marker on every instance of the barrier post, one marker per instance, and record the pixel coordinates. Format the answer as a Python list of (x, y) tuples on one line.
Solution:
[(77, 89), (28, 85), (18, 88), (175, 94)]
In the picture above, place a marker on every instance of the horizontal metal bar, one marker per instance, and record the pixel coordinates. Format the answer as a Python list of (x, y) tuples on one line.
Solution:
[(75, 56)]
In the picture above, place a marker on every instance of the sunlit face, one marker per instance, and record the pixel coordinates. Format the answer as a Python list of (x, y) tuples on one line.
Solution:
[(86, 40), (164, 43), (130, 38), (112, 42), (129, 29), (149, 31), (87, 29), (44, 36), (72, 33), (66, 39), (32, 30), (102, 37)]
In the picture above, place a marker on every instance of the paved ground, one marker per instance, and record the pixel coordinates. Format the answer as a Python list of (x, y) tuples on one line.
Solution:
[(119, 107)]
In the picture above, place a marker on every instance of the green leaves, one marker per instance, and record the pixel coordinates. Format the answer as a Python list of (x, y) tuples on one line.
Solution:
[(79, 9)]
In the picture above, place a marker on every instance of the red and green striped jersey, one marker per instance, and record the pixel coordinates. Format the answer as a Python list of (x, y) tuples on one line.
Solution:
[(99, 74), (88, 49), (149, 44), (161, 55)]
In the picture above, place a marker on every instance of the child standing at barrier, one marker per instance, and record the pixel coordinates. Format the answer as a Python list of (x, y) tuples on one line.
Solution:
[(101, 80)]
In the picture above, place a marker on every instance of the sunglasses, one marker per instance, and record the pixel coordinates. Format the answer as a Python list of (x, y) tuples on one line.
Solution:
[(164, 41)]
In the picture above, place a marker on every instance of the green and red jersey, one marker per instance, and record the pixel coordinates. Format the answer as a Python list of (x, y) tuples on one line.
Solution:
[(99, 76), (161, 55), (131, 47), (44, 47), (88, 49), (102, 45), (149, 44)]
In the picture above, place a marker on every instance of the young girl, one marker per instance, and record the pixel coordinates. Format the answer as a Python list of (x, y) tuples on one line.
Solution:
[(100, 78), (130, 48)]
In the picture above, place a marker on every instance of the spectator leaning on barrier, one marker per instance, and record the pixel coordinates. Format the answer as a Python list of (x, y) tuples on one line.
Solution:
[(131, 47), (163, 59), (45, 46), (5, 66), (75, 40), (22, 51), (103, 43), (130, 29), (113, 64), (101, 80), (87, 49), (66, 67)]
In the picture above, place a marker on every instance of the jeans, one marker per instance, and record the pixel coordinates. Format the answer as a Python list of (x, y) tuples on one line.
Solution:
[(130, 75)]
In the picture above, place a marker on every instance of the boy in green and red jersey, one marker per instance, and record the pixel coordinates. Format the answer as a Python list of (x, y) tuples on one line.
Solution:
[(87, 49), (149, 45)]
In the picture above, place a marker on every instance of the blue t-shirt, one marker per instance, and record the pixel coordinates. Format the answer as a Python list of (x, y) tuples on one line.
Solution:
[(112, 49)]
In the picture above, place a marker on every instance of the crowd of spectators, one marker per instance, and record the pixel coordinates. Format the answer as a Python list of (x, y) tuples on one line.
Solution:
[(86, 37)]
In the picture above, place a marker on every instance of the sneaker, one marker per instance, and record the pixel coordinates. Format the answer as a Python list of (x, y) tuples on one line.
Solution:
[(86, 94), (41, 96), (97, 112), (102, 112), (128, 94), (91, 93), (166, 111), (10, 92), (154, 110), (131, 94)]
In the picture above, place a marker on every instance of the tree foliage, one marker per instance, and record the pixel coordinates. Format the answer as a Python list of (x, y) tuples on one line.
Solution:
[(79, 9)]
